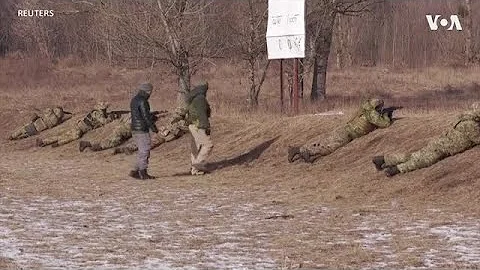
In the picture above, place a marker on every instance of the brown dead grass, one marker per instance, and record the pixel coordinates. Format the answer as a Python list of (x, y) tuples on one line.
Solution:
[(251, 146)]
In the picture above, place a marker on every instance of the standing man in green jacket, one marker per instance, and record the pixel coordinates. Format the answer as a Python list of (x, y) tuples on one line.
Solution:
[(198, 114)]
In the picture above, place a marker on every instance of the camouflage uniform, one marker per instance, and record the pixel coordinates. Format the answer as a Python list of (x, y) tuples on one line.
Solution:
[(49, 118), (366, 120), (120, 133), (176, 129), (95, 119), (464, 135)]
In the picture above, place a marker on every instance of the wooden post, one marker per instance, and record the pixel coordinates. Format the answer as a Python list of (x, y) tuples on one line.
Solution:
[(295, 86), (281, 85)]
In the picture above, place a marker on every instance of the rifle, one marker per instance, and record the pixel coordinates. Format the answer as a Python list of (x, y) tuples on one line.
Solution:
[(389, 110), (159, 114)]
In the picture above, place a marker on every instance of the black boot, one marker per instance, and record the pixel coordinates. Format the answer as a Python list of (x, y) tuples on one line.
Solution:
[(379, 162), (96, 147), (134, 174), (83, 144), (144, 175), (307, 157), (55, 144), (39, 142), (391, 171), (293, 151)]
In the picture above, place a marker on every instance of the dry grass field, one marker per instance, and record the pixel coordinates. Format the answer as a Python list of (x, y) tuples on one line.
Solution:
[(60, 208)]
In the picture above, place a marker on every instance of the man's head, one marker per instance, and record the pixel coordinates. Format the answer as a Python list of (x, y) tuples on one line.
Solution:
[(376, 103), (58, 111), (476, 106), (146, 89), (101, 106)]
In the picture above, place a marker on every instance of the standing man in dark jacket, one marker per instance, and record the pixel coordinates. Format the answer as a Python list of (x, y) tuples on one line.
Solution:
[(142, 123), (198, 114)]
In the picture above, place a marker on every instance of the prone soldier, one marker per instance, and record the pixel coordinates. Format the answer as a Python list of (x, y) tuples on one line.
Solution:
[(120, 134), (464, 135), (369, 117), (96, 118), (172, 131), (49, 118)]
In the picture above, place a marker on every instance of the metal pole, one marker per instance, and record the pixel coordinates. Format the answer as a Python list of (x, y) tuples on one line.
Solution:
[(281, 85), (295, 86)]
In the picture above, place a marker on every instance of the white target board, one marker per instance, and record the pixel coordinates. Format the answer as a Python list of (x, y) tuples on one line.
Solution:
[(286, 29)]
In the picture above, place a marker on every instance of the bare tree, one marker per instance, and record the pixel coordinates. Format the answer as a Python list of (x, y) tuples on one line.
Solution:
[(466, 12), (248, 28), (168, 31), (321, 17)]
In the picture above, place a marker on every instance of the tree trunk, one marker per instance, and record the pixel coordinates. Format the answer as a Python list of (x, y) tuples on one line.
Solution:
[(322, 52), (468, 34)]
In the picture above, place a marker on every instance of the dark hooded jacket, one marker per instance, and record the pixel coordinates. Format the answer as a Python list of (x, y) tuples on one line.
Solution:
[(198, 107), (141, 117)]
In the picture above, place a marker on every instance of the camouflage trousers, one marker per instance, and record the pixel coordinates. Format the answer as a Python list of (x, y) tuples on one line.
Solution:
[(116, 138), (23, 132), (64, 138), (325, 146), (432, 153), (131, 147), (201, 146), (166, 134)]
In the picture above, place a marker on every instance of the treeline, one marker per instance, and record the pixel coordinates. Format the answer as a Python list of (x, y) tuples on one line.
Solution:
[(183, 33)]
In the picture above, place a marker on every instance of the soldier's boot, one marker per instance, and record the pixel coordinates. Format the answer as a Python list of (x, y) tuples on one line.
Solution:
[(96, 147), (293, 151), (200, 167), (39, 142), (83, 145), (391, 171), (195, 171), (379, 162), (55, 144), (144, 175), (134, 174), (307, 156)]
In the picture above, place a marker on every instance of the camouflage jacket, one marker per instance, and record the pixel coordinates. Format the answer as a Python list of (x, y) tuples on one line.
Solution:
[(367, 119), (94, 119), (464, 134)]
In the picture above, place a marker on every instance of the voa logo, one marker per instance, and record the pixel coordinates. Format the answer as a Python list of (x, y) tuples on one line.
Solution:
[(435, 20)]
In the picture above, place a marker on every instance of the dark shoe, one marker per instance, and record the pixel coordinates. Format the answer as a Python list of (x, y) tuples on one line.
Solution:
[(144, 175), (134, 174), (293, 151), (55, 144), (96, 147), (39, 142), (306, 156), (117, 151), (200, 167), (379, 162), (82, 145), (391, 171)]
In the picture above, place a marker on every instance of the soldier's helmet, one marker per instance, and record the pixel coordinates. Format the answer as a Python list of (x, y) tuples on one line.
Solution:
[(101, 106), (476, 106), (376, 103), (58, 111)]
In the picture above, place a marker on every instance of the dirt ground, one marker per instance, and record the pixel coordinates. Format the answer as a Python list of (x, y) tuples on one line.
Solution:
[(63, 209)]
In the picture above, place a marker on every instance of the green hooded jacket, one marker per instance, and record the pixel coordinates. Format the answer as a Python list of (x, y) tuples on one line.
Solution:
[(198, 107)]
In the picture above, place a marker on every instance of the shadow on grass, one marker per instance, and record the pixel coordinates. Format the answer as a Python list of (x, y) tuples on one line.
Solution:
[(244, 158)]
